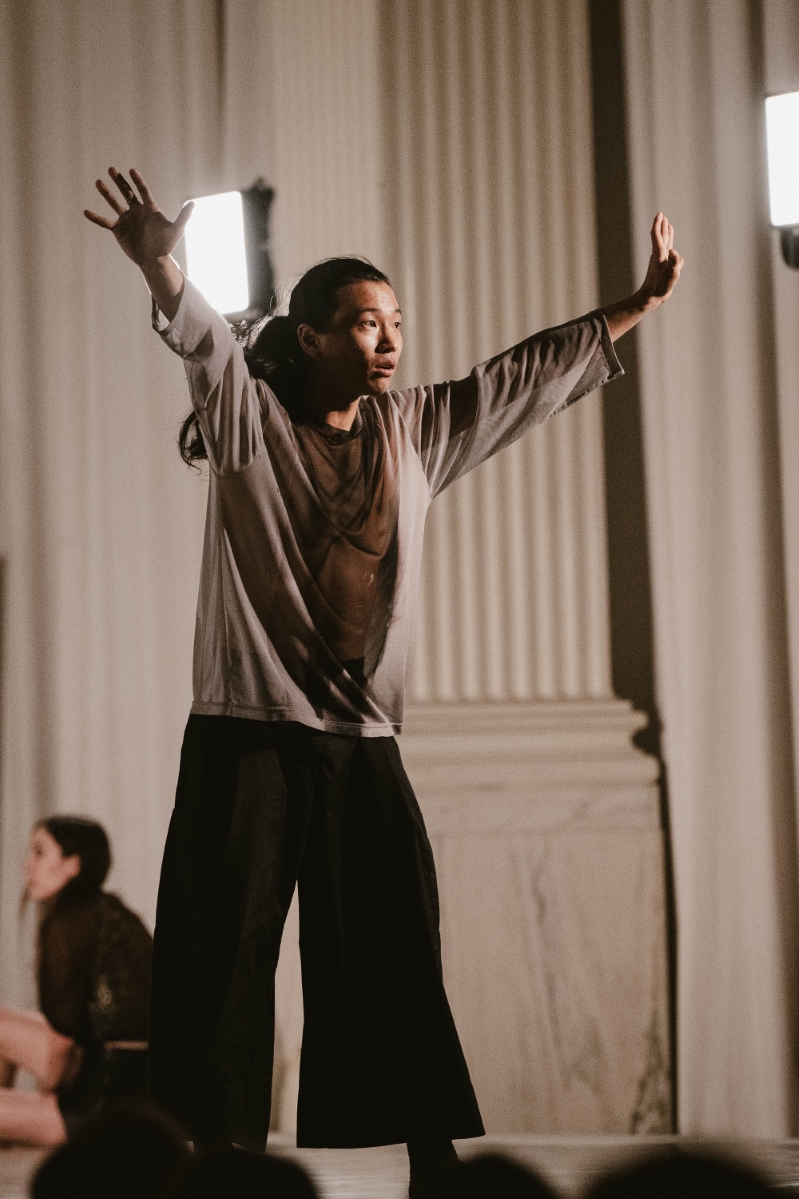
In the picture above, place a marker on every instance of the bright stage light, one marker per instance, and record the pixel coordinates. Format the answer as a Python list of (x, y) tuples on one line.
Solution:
[(782, 133), (216, 258)]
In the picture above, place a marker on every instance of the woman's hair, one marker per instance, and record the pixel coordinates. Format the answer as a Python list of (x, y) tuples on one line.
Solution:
[(86, 838), (272, 349)]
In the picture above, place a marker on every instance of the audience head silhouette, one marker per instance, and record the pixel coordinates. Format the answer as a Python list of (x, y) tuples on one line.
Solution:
[(244, 1175), (682, 1174), (130, 1151), (489, 1176)]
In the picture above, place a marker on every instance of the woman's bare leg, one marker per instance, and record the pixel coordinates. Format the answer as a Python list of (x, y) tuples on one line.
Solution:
[(30, 1119), (27, 1040)]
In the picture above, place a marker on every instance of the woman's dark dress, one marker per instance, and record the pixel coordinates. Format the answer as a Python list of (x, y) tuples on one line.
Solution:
[(94, 968)]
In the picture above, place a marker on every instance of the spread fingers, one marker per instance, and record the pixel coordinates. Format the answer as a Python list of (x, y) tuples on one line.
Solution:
[(107, 194), (124, 186), (146, 194), (102, 221)]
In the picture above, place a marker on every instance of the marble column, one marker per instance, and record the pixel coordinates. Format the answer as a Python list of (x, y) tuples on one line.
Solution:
[(491, 236), (543, 814)]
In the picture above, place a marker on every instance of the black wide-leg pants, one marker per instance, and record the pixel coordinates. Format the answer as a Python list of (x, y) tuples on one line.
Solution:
[(261, 806)]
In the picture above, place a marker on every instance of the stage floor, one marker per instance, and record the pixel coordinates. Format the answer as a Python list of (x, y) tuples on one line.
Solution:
[(570, 1163)]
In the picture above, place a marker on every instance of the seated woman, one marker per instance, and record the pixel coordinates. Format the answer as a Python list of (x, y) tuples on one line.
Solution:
[(93, 966)]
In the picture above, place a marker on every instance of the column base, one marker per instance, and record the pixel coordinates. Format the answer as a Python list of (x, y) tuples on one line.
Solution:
[(545, 822)]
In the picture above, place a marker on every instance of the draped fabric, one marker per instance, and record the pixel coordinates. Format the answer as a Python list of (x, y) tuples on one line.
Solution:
[(717, 508), (101, 528), (101, 525)]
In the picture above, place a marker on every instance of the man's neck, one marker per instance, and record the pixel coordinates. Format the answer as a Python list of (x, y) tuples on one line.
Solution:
[(342, 416)]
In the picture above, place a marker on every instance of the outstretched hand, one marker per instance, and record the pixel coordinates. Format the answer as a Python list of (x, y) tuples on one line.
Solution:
[(665, 264), (662, 273), (141, 229)]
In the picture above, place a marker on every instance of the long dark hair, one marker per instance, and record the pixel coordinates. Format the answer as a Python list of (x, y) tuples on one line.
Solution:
[(272, 349), (86, 838)]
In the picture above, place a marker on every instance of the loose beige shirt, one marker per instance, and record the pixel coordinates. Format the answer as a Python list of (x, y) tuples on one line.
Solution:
[(313, 540)]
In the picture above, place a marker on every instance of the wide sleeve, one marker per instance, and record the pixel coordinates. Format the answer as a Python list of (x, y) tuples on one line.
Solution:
[(455, 426), (223, 393)]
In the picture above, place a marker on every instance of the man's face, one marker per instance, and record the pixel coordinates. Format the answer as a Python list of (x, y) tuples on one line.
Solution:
[(358, 354)]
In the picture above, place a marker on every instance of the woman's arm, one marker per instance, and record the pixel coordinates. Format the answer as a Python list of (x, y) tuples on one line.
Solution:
[(146, 236), (662, 274), (66, 944)]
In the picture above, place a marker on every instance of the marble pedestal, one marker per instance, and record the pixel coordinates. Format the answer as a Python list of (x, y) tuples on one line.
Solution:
[(545, 824)]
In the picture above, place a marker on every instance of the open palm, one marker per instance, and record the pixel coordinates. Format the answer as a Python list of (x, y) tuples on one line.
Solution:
[(665, 263), (141, 229)]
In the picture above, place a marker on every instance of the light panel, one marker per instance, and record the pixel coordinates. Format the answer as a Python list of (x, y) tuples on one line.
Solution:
[(782, 133), (216, 260)]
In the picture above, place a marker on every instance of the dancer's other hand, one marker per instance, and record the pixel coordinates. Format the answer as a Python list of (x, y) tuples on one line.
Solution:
[(665, 265), (662, 273), (141, 229), (146, 235)]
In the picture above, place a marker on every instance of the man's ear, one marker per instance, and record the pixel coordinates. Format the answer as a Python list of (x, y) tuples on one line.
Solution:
[(308, 339)]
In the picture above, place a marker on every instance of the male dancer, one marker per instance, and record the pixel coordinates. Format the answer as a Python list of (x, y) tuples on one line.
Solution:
[(320, 480)]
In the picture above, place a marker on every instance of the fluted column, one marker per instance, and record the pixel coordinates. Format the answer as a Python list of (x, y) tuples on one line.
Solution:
[(492, 234), (544, 817)]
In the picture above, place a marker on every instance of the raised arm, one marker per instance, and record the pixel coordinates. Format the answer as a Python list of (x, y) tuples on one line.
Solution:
[(457, 425), (146, 236), (223, 394), (662, 273)]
